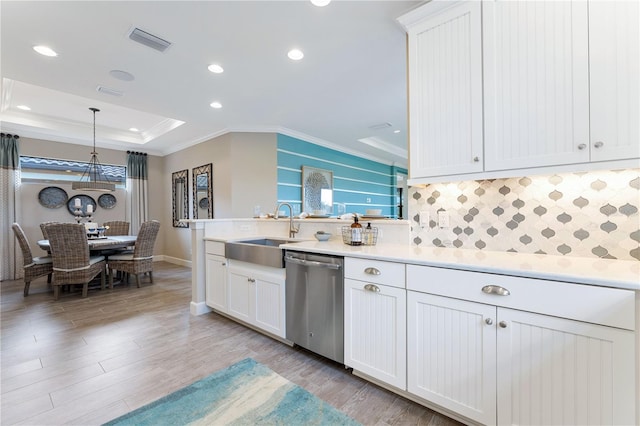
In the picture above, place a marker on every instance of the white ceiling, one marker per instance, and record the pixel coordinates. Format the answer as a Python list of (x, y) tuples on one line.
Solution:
[(352, 78)]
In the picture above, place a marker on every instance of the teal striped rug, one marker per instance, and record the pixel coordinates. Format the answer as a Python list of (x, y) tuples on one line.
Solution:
[(247, 393)]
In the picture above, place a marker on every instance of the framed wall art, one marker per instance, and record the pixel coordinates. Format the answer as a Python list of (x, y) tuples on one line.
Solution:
[(317, 191)]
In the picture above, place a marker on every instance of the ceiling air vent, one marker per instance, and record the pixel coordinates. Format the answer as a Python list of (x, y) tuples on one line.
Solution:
[(380, 126), (108, 91), (149, 40)]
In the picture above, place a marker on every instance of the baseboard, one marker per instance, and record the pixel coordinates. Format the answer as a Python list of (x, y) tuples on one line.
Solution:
[(199, 308), (170, 259)]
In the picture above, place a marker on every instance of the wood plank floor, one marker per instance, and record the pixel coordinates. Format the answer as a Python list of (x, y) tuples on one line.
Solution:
[(86, 361)]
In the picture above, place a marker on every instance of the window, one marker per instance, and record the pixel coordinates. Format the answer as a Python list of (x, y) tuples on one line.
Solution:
[(43, 170)]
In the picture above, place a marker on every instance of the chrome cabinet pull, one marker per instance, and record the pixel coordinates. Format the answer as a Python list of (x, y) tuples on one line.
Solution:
[(502, 324), (582, 146), (489, 321), (372, 271), (251, 280), (371, 287), (495, 289), (598, 144)]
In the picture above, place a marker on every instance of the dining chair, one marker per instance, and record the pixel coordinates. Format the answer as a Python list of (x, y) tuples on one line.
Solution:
[(116, 227), (34, 267), (43, 228), (141, 260), (72, 262)]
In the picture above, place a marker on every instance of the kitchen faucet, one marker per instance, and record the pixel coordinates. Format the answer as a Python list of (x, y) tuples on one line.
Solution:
[(292, 229)]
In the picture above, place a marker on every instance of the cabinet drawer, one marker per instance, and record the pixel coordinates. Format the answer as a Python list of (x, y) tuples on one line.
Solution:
[(598, 305), (214, 247), (375, 271)]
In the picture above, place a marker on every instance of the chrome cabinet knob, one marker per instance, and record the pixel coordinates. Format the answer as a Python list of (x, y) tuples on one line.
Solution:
[(476, 159), (598, 144), (489, 321), (502, 324), (582, 146)]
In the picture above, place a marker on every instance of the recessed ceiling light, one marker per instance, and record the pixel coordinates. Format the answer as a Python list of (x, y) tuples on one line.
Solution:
[(216, 69), (295, 54), (216, 105), (396, 131), (121, 75), (133, 129), (320, 3), (23, 107), (44, 50)]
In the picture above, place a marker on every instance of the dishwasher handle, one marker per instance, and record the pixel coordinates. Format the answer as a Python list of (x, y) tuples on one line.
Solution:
[(315, 263)]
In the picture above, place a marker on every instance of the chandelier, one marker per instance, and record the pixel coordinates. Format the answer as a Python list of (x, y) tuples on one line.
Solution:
[(92, 178)]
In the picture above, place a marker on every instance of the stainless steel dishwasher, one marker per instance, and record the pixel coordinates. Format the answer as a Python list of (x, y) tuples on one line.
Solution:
[(315, 303)]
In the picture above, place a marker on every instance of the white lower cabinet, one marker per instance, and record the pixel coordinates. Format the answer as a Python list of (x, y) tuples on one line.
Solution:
[(216, 276), (216, 290), (495, 364), (555, 371), (375, 320), (256, 296), (375, 331), (452, 354)]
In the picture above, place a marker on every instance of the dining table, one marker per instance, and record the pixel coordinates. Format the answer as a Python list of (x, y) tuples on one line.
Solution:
[(98, 245)]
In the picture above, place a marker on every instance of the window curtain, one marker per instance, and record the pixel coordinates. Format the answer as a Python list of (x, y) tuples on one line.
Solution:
[(137, 190), (10, 258)]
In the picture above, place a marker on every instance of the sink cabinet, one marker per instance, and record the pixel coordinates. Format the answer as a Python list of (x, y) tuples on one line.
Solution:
[(256, 296), (216, 276)]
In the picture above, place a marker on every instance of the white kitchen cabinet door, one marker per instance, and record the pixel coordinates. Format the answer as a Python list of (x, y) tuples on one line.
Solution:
[(375, 331), (614, 48), (270, 306), (451, 348), (558, 371), (536, 83), (241, 296), (216, 278), (445, 90)]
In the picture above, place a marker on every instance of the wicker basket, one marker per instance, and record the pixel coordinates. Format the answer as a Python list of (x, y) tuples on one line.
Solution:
[(369, 236)]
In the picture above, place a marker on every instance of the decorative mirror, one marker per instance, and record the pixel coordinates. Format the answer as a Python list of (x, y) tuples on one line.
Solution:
[(180, 190), (202, 192), (317, 191)]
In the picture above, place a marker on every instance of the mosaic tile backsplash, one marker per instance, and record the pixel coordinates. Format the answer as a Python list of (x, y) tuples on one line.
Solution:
[(591, 214)]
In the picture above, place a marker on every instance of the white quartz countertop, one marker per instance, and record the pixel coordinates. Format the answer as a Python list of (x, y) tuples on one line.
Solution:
[(603, 272), (623, 274)]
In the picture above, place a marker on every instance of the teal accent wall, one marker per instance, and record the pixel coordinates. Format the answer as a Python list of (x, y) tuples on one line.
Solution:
[(357, 182)]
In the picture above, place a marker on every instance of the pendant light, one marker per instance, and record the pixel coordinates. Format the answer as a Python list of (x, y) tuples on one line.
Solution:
[(93, 179)]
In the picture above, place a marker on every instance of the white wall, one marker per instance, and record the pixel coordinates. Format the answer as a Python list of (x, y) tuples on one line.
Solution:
[(244, 174)]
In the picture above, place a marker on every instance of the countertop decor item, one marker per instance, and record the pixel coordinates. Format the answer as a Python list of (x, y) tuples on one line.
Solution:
[(107, 201), (322, 236), (93, 178), (52, 197), (85, 201)]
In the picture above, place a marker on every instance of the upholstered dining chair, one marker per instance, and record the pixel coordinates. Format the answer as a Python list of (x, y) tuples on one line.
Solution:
[(72, 262), (116, 227), (34, 267), (43, 228), (141, 260)]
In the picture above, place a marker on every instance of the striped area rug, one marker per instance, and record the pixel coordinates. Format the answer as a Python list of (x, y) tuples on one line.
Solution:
[(247, 393)]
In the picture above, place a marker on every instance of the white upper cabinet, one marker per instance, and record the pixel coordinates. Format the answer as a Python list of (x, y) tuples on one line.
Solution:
[(445, 89), (499, 88), (536, 83), (614, 50)]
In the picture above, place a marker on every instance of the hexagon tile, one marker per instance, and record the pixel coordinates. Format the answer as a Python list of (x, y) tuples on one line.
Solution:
[(593, 214)]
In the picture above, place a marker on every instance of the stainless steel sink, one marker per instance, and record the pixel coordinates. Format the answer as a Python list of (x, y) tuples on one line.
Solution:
[(263, 251)]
